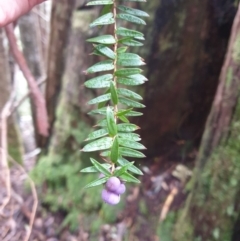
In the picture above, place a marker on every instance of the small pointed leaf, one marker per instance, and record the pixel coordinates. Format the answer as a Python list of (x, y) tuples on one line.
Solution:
[(111, 125), (97, 134), (125, 32), (103, 39), (105, 51), (123, 151), (129, 178), (131, 18), (123, 119), (122, 161), (123, 169), (134, 113), (131, 144), (129, 136), (130, 42), (94, 169), (114, 95), (123, 112), (129, 93), (125, 127), (115, 150), (99, 99), (100, 2), (96, 182), (101, 66), (100, 144), (127, 72), (130, 103), (101, 167), (103, 20), (133, 11), (99, 82), (122, 50), (128, 81)]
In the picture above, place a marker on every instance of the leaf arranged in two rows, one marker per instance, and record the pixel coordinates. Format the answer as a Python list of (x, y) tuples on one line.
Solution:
[(131, 18), (100, 2), (132, 11), (103, 20)]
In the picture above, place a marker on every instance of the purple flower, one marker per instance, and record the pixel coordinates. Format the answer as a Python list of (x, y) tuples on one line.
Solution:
[(113, 184), (121, 189), (110, 197)]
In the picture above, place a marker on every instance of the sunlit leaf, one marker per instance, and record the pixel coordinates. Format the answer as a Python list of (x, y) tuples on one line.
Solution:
[(100, 144), (99, 82), (103, 20), (122, 50), (133, 11), (131, 18)]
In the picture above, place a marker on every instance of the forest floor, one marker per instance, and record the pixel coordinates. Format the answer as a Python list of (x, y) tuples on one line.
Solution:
[(162, 190)]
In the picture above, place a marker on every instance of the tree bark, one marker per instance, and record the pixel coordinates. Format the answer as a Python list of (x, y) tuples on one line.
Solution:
[(212, 208)]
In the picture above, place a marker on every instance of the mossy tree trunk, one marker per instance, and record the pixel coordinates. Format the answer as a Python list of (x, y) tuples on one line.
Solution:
[(212, 208)]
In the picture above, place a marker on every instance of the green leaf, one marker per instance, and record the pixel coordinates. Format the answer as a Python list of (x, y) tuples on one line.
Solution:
[(102, 81), (123, 119), (134, 113), (94, 169), (96, 182), (106, 9), (131, 144), (111, 125), (128, 81), (122, 50), (104, 39), (105, 51), (129, 178), (101, 111), (127, 72), (125, 127), (101, 66), (125, 32), (133, 11), (103, 20), (123, 151), (122, 161), (97, 134), (99, 99), (129, 59), (101, 168), (115, 150), (105, 154), (130, 42), (131, 18), (138, 77), (102, 123), (129, 136), (135, 0), (130, 103), (100, 2), (114, 95), (100, 144), (123, 169), (123, 112), (129, 93)]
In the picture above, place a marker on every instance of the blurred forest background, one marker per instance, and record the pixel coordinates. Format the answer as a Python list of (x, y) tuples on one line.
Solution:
[(190, 190)]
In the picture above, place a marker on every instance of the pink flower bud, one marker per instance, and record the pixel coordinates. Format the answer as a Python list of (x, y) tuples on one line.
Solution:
[(110, 197), (121, 189)]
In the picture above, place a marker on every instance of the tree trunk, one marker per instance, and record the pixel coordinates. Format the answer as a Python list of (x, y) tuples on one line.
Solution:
[(213, 206), (187, 44)]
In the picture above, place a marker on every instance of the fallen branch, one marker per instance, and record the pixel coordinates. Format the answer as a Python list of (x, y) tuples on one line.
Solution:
[(38, 99)]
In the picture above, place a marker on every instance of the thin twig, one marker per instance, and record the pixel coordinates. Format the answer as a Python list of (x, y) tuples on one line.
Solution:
[(38, 99), (34, 193)]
